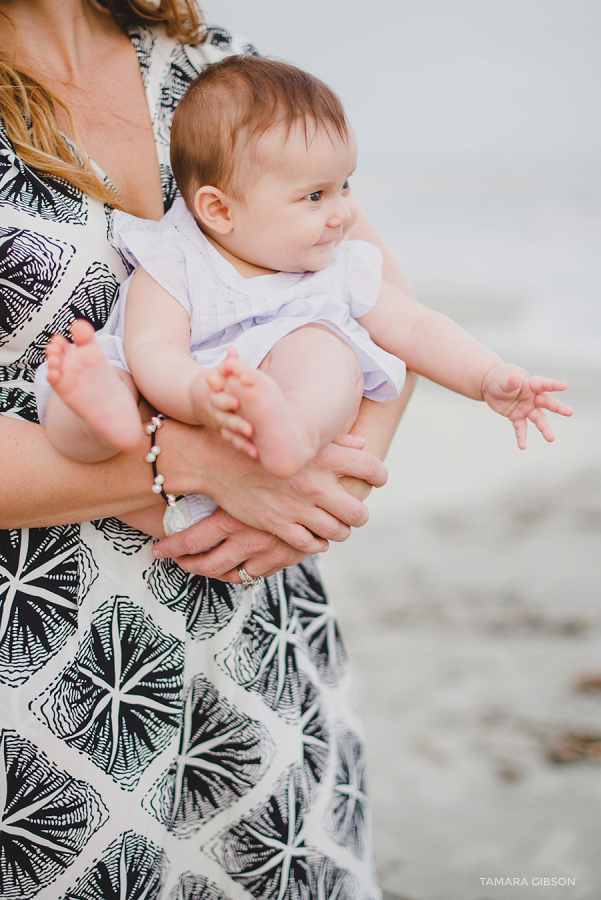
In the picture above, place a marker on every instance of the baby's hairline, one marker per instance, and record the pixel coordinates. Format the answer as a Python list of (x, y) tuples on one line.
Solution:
[(231, 186)]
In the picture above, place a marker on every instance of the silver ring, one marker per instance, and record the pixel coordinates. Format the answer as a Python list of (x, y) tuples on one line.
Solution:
[(248, 581)]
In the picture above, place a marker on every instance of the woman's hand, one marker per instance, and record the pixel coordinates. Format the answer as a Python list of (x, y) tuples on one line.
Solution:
[(285, 520), (220, 543), (312, 503)]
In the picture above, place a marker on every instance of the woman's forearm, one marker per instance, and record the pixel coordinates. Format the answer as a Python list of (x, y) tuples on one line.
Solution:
[(40, 487), (377, 423)]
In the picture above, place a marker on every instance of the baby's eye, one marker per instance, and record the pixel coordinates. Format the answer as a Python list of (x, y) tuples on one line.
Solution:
[(346, 186), (315, 197)]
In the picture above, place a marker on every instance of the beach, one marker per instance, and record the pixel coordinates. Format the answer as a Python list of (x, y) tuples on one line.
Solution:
[(470, 603), (470, 607)]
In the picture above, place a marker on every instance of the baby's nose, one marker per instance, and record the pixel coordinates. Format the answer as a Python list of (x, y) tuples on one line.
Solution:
[(341, 214)]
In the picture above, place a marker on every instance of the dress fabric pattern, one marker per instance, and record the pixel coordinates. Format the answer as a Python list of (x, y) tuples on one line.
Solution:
[(163, 736)]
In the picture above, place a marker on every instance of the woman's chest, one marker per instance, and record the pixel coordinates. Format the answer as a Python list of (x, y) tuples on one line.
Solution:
[(114, 126)]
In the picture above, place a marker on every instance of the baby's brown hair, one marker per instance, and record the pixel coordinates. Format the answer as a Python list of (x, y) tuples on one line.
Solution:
[(234, 102)]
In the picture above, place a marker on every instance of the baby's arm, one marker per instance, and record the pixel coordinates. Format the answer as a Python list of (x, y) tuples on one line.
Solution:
[(433, 345), (157, 349)]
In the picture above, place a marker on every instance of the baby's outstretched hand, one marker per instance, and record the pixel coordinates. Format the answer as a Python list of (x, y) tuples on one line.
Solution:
[(514, 393)]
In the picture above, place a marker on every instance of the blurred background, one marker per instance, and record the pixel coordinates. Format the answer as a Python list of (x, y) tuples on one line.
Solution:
[(471, 602)]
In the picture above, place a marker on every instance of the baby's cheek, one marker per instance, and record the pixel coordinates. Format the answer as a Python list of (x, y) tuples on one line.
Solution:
[(354, 210)]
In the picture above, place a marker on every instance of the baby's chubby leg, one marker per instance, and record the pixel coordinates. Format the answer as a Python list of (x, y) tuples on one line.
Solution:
[(306, 390), (92, 412)]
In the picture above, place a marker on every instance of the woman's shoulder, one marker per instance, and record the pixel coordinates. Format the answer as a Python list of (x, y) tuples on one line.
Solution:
[(158, 53), (351, 258), (361, 253), (168, 67)]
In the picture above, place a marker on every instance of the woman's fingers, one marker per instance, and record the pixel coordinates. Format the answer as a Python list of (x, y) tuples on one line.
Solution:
[(218, 527), (267, 563), (260, 554), (344, 439), (343, 460), (302, 539), (196, 539)]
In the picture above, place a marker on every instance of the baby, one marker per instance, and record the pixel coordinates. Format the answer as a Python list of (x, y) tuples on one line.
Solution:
[(248, 311)]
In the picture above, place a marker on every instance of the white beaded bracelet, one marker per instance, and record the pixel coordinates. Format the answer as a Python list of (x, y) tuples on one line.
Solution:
[(157, 488)]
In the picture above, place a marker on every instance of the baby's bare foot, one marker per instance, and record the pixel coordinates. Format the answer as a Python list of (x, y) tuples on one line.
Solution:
[(283, 443), (87, 383)]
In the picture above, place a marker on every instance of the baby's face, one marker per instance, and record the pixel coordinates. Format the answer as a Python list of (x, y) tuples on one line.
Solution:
[(300, 208)]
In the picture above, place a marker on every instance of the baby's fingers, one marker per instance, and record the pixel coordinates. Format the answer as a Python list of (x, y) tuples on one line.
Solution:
[(538, 418), (546, 401), (521, 428), (510, 383), (538, 384)]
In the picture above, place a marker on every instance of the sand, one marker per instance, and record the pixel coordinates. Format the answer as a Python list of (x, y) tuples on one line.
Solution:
[(471, 607)]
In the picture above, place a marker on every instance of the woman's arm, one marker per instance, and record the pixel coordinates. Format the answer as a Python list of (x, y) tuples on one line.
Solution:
[(377, 422), (40, 487), (363, 230), (43, 488)]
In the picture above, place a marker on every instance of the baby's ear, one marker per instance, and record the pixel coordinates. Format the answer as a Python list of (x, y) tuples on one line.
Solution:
[(212, 210)]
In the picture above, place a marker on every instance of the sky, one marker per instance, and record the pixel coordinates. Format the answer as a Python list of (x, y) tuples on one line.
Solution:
[(448, 84)]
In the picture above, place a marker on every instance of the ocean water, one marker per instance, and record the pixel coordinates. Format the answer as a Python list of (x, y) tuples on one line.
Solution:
[(515, 259), (479, 151)]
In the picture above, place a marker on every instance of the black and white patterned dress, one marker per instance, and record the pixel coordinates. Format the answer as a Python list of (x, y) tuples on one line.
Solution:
[(161, 735)]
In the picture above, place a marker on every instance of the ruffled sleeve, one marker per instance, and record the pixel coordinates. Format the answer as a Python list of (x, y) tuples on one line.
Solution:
[(363, 276), (157, 247)]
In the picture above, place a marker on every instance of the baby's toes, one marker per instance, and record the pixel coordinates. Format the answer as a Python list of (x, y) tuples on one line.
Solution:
[(231, 365), (215, 380), (56, 346), (82, 332), (223, 402), (53, 359), (240, 442), (234, 423)]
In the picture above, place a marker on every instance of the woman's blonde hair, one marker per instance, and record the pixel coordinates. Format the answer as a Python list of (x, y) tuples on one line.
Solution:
[(27, 108)]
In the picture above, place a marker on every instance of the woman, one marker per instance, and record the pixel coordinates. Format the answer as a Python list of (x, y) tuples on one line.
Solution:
[(163, 734)]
